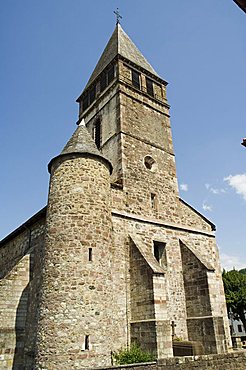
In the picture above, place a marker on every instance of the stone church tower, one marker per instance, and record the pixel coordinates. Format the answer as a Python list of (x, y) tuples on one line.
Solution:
[(116, 257)]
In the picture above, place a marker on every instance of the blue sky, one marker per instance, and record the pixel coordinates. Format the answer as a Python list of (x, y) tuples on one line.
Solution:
[(48, 51)]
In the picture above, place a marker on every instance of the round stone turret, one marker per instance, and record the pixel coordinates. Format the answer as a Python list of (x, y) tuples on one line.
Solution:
[(76, 291)]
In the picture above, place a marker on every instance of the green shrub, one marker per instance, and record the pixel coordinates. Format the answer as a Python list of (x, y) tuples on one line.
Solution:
[(178, 339), (133, 355)]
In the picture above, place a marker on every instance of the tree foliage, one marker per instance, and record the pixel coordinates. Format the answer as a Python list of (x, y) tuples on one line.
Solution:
[(133, 355), (235, 293), (243, 271)]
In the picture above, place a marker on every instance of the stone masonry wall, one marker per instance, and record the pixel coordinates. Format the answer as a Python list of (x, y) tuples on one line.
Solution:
[(16, 266), (142, 294), (143, 330), (123, 226), (175, 295), (195, 284), (13, 310)]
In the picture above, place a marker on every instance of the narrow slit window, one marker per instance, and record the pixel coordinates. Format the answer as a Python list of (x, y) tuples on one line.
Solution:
[(149, 86), (97, 133), (90, 254), (136, 79), (153, 200), (159, 252), (87, 342)]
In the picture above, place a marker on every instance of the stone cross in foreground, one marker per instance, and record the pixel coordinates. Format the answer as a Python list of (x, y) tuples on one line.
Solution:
[(173, 325)]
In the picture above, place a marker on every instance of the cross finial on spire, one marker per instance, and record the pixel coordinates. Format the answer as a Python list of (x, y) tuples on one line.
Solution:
[(118, 16)]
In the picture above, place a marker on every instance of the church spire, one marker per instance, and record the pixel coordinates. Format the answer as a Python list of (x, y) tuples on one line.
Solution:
[(120, 44)]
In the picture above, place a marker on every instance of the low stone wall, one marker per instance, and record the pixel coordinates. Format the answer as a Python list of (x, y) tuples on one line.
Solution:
[(229, 361)]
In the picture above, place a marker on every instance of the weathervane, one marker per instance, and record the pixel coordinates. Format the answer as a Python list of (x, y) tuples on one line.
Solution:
[(118, 16)]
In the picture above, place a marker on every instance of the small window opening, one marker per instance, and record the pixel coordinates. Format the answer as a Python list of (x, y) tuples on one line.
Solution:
[(149, 163), (159, 249), (149, 86), (136, 79), (239, 327), (85, 102), (92, 94), (97, 133), (103, 81), (87, 342), (110, 74), (153, 200), (90, 254), (107, 77)]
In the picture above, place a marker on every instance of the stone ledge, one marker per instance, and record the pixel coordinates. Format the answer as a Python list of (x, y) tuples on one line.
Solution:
[(158, 222), (128, 366), (229, 361)]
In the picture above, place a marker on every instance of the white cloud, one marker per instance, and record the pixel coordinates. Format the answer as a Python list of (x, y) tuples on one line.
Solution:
[(230, 262), (214, 190), (238, 183), (207, 207), (184, 187)]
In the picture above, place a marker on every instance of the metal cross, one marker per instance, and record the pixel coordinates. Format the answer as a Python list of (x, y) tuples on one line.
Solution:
[(118, 16)]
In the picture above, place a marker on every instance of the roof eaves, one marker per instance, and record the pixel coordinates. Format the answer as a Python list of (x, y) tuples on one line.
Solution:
[(26, 225), (146, 71), (201, 215)]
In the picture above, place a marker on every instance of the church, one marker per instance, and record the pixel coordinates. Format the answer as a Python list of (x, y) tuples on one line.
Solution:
[(116, 257)]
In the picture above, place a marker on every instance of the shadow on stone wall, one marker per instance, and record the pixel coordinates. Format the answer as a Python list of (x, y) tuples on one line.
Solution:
[(20, 324)]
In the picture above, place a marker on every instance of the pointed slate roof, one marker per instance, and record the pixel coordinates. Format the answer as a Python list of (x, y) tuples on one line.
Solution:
[(121, 44), (81, 143)]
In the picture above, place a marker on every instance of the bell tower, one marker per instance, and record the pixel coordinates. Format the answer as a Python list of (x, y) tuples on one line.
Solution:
[(125, 108)]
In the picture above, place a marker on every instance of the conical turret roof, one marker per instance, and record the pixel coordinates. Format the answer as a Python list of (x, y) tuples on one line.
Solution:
[(121, 44), (81, 143)]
